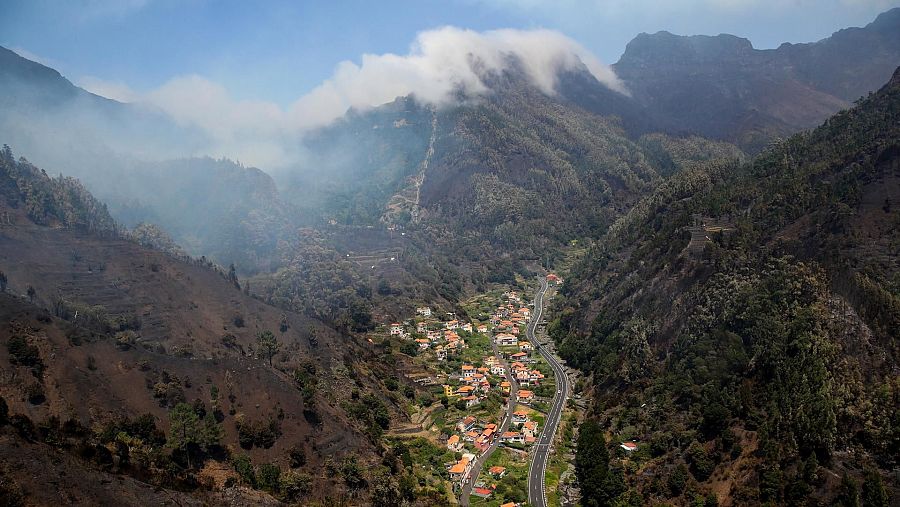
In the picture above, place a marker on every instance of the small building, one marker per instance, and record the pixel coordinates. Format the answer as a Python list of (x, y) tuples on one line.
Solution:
[(482, 328), (467, 370), (525, 346), (498, 370), (424, 311), (513, 437), (467, 327), (423, 343), (466, 424), (520, 417), (505, 339), (454, 444), (441, 353), (396, 329), (453, 324), (529, 429), (461, 468), (629, 446), (524, 396), (497, 471)]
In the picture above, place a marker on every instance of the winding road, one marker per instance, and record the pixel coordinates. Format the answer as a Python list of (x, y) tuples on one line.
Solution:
[(537, 472)]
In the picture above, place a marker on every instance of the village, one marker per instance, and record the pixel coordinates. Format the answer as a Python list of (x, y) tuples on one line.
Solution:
[(494, 390)]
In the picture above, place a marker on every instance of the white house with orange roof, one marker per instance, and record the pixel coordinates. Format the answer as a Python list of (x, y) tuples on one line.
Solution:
[(396, 329), (520, 417), (482, 328), (529, 429), (505, 339), (453, 324), (524, 396), (498, 370), (454, 444), (467, 370), (462, 467)]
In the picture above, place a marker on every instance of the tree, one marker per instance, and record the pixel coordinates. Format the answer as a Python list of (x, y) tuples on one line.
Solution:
[(385, 490), (31, 293), (3, 281), (244, 468), (599, 485), (4, 412), (268, 477), (848, 495), (874, 493), (188, 434), (268, 344)]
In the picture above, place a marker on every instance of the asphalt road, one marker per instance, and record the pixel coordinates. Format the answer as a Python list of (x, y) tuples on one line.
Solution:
[(469, 482), (537, 472)]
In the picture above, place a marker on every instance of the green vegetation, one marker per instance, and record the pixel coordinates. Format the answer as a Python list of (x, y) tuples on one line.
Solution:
[(756, 328)]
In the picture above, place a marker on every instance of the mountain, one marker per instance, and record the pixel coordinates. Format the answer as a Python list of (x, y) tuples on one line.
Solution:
[(105, 342), (752, 313), (723, 88)]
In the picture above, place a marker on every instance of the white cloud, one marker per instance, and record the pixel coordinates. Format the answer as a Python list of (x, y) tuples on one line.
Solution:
[(439, 64), (116, 90)]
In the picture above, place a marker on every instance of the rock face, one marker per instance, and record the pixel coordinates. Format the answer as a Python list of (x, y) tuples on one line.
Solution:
[(721, 87)]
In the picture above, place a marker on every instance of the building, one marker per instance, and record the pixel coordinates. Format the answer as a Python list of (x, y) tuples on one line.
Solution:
[(441, 353), (513, 437), (497, 471), (396, 329), (628, 446), (424, 311), (467, 327), (529, 429), (461, 468), (482, 328), (423, 343), (525, 346), (524, 396), (520, 417), (466, 424), (498, 370), (467, 370), (454, 444), (453, 324), (504, 339)]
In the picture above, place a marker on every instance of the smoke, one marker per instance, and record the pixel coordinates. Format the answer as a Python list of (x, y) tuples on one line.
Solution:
[(440, 64)]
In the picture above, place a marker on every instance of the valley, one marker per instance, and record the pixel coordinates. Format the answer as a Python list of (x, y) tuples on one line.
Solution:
[(488, 272)]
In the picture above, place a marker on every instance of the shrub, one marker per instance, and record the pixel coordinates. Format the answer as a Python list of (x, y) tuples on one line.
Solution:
[(268, 477), (244, 468)]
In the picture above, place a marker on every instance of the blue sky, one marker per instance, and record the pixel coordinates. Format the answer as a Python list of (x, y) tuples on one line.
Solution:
[(278, 51)]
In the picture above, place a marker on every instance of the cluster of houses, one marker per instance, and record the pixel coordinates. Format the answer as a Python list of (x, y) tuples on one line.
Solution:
[(443, 336)]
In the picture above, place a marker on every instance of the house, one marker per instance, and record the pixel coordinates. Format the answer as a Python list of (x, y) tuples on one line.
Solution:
[(396, 329), (471, 401), (465, 390), (448, 391), (529, 429), (505, 387), (466, 424), (510, 504), (554, 279), (536, 376), (482, 328), (504, 339), (441, 353), (420, 327), (424, 311), (433, 335), (628, 446), (525, 346), (482, 491), (513, 437), (467, 370), (423, 343), (519, 356), (525, 311), (467, 327), (498, 369), (454, 444), (520, 417), (524, 396), (490, 361), (461, 468), (497, 471), (453, 324)]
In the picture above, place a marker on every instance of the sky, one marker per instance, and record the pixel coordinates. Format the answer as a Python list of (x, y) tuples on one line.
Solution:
[(278, 51), (254, 77)]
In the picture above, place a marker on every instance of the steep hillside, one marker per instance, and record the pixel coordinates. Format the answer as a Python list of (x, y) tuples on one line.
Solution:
[(741, 322), (98, 331), (723, 88)]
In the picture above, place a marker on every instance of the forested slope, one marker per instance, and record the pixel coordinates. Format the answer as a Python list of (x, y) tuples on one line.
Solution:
[(742, 320)]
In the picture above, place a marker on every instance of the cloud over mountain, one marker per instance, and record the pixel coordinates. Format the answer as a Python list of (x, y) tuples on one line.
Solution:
[(441, 64)]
